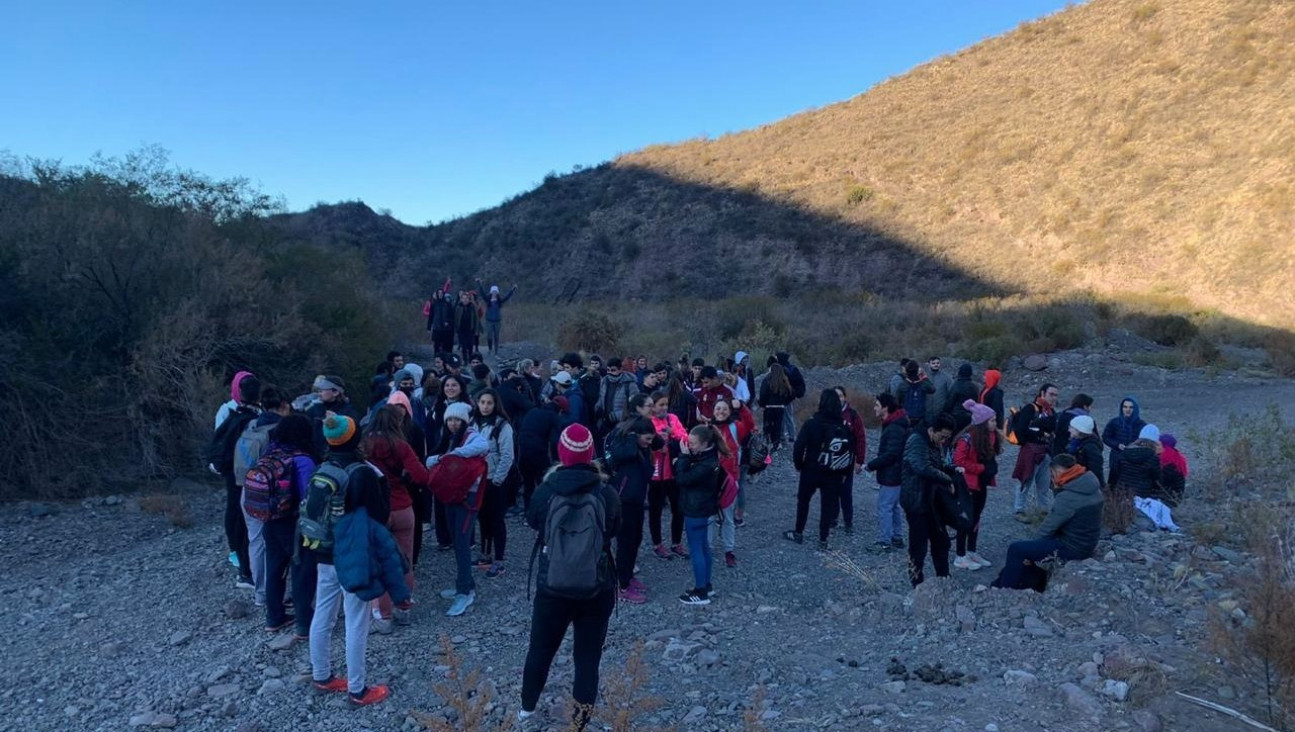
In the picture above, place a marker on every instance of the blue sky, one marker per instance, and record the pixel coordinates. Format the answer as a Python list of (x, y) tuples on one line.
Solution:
[(437, 109)]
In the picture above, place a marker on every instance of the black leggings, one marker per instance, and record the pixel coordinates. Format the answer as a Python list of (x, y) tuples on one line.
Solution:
[(422, 514), (829, 494), (628, 541), (494, 529), (847, 500), (532, 476), (924, 529), (280, 535), (659, 492), (236, 525), (550, 618), (967, 539)]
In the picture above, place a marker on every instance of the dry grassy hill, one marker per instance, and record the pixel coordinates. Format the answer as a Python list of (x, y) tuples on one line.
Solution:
[(1130, 147)]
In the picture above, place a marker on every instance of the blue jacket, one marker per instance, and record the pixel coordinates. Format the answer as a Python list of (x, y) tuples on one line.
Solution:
[(494, 309), (366, 558)]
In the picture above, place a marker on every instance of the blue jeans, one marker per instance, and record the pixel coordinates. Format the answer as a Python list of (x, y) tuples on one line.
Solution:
[(890, 519), (460, 518), (698, 550), (1014, 572)]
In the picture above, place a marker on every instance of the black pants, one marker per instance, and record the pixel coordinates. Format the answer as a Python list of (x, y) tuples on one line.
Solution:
[(829, 495), (659, 492), (279, 536), (305, 574), (443, 341), (924, 530), (236, 526), (532, 476), (444, 537), (422, 514), (550, 618), (494, 529), (628, 540), (967, 539), (847, 500), (467, 344)]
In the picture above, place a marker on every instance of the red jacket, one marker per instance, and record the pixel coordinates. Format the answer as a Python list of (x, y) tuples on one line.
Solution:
[(743, 425), (855, 423), (964, 456), (402, 467)]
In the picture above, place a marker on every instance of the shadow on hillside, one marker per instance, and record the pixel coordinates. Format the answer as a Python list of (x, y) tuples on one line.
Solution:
[(629, 232)]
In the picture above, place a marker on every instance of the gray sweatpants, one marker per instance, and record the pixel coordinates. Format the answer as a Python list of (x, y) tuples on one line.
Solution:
[(1042, 482), (329, 595), (256, 552)]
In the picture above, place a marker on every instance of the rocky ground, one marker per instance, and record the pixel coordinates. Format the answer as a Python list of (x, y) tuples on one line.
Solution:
[(113, 618)]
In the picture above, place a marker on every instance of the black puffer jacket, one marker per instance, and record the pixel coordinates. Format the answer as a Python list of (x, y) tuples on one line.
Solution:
[(1140, 470), (922, 474), (631, 465), (698, 478), (1088, 453), (889, 463)]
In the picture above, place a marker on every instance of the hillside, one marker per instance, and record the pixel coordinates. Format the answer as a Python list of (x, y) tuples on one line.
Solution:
[(1139, 150)]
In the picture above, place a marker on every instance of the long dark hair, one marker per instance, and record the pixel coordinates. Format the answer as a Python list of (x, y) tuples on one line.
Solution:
[(829, 405), (779, 384), (388, 425), (294, 432), (499, 412), (983, 442)]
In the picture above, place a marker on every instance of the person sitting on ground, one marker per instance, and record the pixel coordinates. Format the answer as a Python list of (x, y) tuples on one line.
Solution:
[(575, 484), (1173, 468), (1069, 533), (1085, 446)]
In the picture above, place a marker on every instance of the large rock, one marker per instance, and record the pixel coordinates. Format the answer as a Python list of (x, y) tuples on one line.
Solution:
[(1035, 362), (1080, 700)]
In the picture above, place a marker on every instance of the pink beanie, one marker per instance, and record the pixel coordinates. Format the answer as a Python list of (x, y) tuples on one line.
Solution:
[(233, 385), (576, 446), (399, 399), (980, 413)]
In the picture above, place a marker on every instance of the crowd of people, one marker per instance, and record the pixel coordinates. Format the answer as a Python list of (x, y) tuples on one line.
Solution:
[(331, 495)]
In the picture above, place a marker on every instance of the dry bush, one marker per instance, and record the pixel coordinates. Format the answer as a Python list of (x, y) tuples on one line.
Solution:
[(626, 700), (172, 507), (751, 721), (1118, 510), (591, 332), (1259, 645), (1251, 453), (468, 694)]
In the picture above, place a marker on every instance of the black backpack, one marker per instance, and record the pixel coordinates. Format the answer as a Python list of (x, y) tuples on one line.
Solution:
[(220, 451), (955, 508), (757, 453), (573, 563), (836, 454)]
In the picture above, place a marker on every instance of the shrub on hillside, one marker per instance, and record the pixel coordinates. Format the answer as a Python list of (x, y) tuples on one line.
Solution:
[(1167, 330), (591, 332), (129, 295)]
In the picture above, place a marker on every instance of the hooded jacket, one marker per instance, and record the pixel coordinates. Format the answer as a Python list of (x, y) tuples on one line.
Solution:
[(568, 481), (441, 319), (963, 388), (698, 476), (1088, 453), (631, 465), (1121, 431), (541, 429), (921, 473), (794, 376), (812, 441), (890, 450), (614, 394), (1076, 515), (992, 396)]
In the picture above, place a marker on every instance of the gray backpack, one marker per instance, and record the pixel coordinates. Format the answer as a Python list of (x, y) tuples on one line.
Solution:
[(250, 447), (573, 562)]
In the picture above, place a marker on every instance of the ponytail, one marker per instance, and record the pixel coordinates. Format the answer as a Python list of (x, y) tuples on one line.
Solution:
[(709, 435)]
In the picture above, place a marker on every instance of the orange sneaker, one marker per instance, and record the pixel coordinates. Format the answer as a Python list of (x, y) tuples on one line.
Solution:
[(334, 685), (371, 695)]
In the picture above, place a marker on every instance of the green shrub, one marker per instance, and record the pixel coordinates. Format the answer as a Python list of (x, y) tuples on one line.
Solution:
[(858, 194), (1167, 330), (591, 332)]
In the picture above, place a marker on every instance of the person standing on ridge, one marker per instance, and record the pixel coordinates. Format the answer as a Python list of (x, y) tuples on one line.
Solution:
[(494, 312)]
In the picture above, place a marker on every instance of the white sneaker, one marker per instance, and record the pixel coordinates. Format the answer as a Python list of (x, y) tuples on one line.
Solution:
[(973, 556), (381, 626), (966, 563), (461, 604)]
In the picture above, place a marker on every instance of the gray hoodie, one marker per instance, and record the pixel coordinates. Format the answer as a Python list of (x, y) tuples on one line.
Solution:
[(1076, 516), (614, 395)]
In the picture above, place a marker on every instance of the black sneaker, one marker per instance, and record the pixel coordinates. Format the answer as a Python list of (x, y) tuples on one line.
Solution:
[(794, 536), (822, 546), (695, 597), (897, 542), (849, 529)]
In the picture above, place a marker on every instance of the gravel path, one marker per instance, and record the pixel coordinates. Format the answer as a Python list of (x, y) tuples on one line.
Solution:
[(113, 618)]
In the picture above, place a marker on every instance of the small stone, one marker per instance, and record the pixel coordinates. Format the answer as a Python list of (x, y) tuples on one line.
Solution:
[(113, 500), (1147, 720), (153, 719), (270, 686), (1117, 690), (40, 510), (991, 727), (695, 715), (893, 687), (1227, 554), (1035, 362), (966, 618), (281, 642), (217, 674), (1036, 627), (221, 690), (180, 637), (766, 609), (271, 672), (707, 658), (1080, 700), (71, 710), (1017, 677), (111, 649), (237, 609), (770, 715), (1227, 692)]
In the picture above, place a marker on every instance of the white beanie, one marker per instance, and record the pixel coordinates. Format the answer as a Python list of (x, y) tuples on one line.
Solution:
[(458, 410), (1083, 424), (1150, 432)]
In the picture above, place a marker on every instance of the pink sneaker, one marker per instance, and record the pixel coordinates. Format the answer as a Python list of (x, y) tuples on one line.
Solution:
[(679, 551), (633, 596), (635, 584), (661, 552)]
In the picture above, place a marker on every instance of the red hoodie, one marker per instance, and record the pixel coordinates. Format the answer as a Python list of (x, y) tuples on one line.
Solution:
[(855, 423)]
